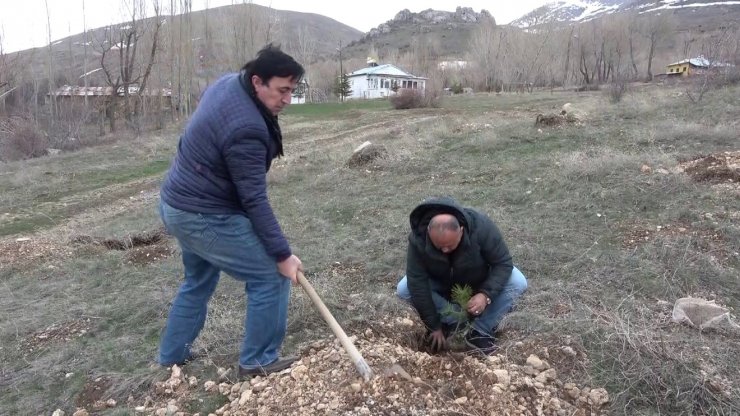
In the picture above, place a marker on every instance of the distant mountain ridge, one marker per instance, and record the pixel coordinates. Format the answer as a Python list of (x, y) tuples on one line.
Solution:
[(571, 11)]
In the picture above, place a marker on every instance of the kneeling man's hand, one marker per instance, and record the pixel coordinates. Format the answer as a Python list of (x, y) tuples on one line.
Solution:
[(477, 304), (438, 340)]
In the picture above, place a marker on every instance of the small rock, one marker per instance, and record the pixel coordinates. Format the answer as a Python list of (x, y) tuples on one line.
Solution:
[(259, 387), (569, 351), (598, 397), (572, 391), (209, 385), (546, 376), (646, 169), (192, 381), (356, 387), (502, 377), (461, 400), (529, 370), (554, 404), (535, 362), (111, 403), (58, 412), (139, 409), (245, 397), (80, 412), (176, 372), (407, 322), (298, 372)]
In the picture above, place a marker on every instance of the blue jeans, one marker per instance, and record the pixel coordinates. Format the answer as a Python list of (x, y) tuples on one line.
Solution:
[(487, 322), (211, 244)]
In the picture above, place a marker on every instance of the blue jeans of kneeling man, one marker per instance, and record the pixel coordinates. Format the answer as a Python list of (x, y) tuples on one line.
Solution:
[(211, 244), (487, 322)]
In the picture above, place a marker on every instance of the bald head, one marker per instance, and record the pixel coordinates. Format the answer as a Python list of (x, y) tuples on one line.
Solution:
[(445, 232)]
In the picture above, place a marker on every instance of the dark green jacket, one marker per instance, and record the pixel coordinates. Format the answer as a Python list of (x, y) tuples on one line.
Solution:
[(482, 259)]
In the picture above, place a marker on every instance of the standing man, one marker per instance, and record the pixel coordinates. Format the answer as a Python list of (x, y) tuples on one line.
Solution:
[(214, 201), (452, 245)]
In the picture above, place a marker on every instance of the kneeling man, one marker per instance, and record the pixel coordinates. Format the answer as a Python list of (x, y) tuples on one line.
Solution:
[(454, 245)]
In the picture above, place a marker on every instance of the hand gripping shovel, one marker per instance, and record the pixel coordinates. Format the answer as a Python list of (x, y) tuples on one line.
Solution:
[(354, 354)]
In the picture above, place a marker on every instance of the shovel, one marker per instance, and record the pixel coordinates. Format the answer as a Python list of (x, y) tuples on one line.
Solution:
[(354, 354)]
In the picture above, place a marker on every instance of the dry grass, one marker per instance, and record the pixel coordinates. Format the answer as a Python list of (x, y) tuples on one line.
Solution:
[(565, 199)]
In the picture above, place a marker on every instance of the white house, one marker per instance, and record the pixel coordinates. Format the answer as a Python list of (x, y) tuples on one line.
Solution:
[(377, 81)]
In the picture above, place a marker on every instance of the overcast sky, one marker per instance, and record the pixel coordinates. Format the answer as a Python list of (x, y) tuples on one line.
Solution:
[(23, 23)]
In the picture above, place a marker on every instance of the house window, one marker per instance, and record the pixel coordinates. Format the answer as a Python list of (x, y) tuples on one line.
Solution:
[(414, 85), (684, 69)]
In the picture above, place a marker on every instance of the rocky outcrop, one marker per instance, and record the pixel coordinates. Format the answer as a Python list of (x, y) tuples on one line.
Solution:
[(461, 15)]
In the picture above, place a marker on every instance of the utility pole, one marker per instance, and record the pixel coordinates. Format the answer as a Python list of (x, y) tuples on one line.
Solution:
[(341, 74)]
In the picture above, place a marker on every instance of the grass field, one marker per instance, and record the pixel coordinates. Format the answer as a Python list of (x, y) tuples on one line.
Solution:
[(596, 213)]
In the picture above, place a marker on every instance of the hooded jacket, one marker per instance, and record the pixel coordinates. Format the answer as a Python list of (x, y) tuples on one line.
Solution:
[(481, 260)]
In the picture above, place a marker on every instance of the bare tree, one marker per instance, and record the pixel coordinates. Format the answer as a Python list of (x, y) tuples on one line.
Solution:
[(633, 29), (50, 66), (304, 49), (484, 49), (120, 60), (717, 53), (656, 28), (251, 27)]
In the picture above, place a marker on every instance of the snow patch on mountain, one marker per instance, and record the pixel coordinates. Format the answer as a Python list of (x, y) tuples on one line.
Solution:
[(672, 4), (565, 11)]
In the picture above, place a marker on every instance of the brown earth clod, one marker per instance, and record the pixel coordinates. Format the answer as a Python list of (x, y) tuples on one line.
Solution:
[(715, 168)]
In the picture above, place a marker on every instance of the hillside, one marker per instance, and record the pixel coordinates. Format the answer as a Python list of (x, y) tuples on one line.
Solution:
[(212, 34)]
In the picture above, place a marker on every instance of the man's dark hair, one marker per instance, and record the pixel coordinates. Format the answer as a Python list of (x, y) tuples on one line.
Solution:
[(443, 224), (272, 62)]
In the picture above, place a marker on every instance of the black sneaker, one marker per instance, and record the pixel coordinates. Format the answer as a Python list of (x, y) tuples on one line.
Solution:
[(278, 365), (482, 343)]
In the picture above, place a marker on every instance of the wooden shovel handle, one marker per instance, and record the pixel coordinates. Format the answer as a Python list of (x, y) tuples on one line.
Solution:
[(354, 354)]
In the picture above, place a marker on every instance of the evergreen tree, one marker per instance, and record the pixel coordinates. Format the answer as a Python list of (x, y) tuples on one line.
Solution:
[(342, 88)]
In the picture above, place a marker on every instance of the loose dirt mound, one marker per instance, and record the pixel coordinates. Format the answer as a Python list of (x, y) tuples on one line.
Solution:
[(717, 168), (709, 241), (27, 250), (367, 155), (134, 240), (142, 248), (324, 381), (58, 332), (553, 120)]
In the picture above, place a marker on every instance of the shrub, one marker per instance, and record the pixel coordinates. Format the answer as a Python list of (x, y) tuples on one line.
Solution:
[(409, 98), (406, 99), (457, 89), (616, 90), (21, 139)]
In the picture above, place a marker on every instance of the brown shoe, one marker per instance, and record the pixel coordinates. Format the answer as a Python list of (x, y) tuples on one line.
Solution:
[(278, 365)]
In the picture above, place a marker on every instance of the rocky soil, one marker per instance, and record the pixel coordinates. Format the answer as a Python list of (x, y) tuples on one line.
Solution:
[(324, 382)]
